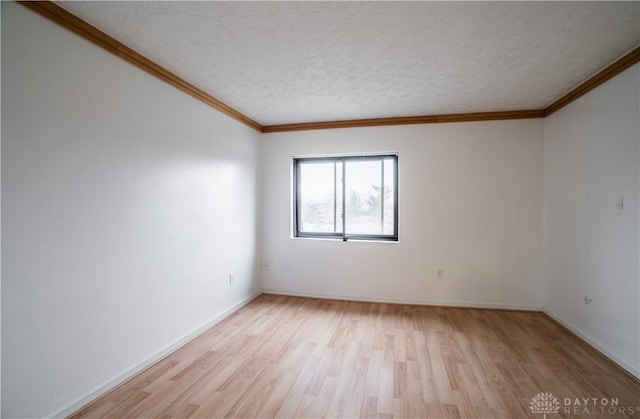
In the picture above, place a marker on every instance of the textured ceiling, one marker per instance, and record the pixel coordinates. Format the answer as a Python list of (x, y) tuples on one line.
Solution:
[(287, 62)]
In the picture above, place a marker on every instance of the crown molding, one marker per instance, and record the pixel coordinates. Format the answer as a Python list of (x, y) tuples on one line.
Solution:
[(70, 21), (404, 120), (607, 73)]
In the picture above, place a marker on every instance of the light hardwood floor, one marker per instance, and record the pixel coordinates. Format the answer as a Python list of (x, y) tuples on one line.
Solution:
[(300, 357)]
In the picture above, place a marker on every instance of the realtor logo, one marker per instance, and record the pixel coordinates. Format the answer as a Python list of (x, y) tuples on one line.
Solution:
[(544, 403)]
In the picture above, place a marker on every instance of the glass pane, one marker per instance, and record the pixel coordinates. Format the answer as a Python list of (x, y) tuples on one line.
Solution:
[(320, 197), (389, 194), (368, 197)]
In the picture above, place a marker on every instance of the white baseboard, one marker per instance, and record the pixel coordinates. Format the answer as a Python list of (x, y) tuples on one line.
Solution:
[(125, 375), (464, 304), (597, 346)]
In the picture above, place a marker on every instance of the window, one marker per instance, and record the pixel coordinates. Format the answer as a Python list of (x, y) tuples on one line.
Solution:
[(346, 197)]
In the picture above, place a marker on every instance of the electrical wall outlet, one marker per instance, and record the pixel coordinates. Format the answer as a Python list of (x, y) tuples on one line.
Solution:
[(230, 279), (440, 274), (267, 266)]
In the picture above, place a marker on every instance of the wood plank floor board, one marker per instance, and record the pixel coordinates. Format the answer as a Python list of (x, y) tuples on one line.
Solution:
[(297, 392), (294, 357), (282, 381)]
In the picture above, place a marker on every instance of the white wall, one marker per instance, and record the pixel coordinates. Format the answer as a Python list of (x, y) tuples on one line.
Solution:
[(591, 247), (126, 204), (470, 202)]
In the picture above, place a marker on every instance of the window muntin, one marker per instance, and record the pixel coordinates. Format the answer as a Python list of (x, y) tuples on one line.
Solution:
[(363, 188)]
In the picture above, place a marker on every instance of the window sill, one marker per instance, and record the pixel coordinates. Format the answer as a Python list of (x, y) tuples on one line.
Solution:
[(332, 239)]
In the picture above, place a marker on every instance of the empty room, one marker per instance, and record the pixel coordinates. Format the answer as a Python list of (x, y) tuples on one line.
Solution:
[(320, 209)]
